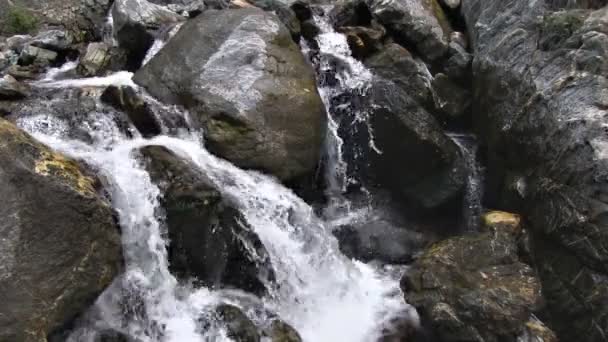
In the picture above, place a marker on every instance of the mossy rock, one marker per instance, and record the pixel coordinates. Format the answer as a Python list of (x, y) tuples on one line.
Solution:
[(558, 27)]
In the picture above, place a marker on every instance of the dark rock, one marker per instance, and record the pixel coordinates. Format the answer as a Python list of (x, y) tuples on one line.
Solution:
[(473, 288), (310, 30), (82, 20), (34, 55), (450, 98), (541, 106), (210, 240), (11, 89), (535, 331), (381, 240), (134, 24), (417, 161), (363, 41), (280, 331), (248, 85), (458, 64), (396, 64), (421, 24), (351, 13), (240, 328), (286, 14), (126, 99), (61, 245)]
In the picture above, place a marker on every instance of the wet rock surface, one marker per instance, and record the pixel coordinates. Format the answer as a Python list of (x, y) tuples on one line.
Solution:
[(61, 244), (541, 110), (474, 287), (210, 240), (248, 85)]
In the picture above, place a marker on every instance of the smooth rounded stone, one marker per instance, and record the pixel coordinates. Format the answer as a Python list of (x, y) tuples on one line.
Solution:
[(460, 39), (541, 99), (396, 64), (379, 240), (450, 98), (61, 245), (209, 239), (240, 328), (473, 288), (453, 4), (82, 20), (279, 331), (419, 23), (501, 220), (248, 85), (134, 24), (18, 42), (11, 89)]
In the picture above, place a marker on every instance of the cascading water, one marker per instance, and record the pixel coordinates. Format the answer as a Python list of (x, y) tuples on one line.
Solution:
[(342, 80), (473, 192), (326, 296)]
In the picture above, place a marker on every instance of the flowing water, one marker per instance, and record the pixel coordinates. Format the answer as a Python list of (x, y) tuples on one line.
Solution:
[(324, 295)]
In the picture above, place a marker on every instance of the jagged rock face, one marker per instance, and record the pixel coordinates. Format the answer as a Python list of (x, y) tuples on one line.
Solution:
[(209, 239), (83, 20), (474, 288), (541, 95), (248, 85), (60, 243)]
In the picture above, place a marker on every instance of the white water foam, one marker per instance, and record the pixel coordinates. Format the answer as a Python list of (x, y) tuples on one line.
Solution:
[(121, 78)]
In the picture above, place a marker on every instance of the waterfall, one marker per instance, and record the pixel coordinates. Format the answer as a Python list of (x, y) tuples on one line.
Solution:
[(323, 294), (342, 82), (472, 201)]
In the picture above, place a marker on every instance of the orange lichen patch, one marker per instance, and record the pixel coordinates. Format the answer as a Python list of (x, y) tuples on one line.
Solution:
[(500, 220)]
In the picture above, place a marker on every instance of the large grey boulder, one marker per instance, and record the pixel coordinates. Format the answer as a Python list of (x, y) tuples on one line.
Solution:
[(247, 83), (60, 243), (540, 104)]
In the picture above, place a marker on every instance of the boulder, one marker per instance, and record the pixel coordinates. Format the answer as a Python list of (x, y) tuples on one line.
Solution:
[(240, 328), (34, 55), (247, 83), (474, 288), (409, 73), (209, 239), (134, 24), (126, 99), (54, 40), (415, 159), (458, 63), (61, 245), (82, 20), (11, 89), (418, 23), (363, 41), (540, 106), (451, 99), (101, 57), (350, 13)]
